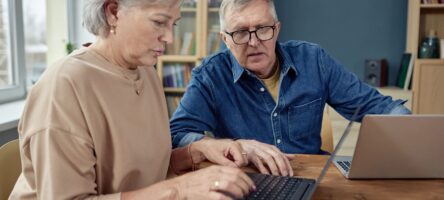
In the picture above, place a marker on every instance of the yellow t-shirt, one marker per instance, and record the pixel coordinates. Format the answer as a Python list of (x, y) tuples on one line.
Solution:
[(272, 83)]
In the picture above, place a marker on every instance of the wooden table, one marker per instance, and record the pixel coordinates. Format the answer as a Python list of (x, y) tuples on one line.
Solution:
[(335, 186)]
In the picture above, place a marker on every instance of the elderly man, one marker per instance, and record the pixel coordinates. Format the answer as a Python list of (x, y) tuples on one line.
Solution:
[(262, 90)]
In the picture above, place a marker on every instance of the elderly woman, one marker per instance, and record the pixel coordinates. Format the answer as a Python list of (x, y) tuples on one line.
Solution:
[(95, 125)]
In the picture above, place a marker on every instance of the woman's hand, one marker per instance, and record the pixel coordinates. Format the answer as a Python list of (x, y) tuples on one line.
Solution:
[(215, 182), (261, 155), (221, 151)]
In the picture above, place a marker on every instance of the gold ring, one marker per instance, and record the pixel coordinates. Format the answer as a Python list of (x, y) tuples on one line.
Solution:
[(216, 185), (244, 153)]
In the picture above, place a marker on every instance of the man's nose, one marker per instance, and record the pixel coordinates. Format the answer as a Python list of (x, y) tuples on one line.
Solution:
[(254, 41)]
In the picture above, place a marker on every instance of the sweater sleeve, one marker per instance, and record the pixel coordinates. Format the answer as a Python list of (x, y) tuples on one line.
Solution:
[(63, 165), (57, 150)]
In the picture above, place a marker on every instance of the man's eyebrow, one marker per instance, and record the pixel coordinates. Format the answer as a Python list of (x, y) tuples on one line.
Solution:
[(238, 28)]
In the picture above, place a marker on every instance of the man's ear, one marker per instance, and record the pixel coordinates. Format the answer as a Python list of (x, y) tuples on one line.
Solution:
[(111, 7), (278, 28), (225, 39)]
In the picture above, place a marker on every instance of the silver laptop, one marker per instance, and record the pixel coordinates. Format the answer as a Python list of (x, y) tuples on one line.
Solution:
[(394, 146), (292, 188)]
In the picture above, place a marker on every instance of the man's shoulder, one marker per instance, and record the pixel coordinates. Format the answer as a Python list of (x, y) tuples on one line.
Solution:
[(219, 61), (299, 45)]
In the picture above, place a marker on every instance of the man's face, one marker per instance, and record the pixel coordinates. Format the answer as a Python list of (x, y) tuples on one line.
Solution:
[(255, 55)]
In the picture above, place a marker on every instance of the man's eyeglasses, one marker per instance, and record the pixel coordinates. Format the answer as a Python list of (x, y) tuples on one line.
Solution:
[(263, 33)]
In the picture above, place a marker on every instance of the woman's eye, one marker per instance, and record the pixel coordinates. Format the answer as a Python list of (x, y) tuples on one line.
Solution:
[(159, 23)]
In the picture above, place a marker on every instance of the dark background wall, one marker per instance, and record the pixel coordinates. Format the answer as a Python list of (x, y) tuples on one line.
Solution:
[(350, 30)]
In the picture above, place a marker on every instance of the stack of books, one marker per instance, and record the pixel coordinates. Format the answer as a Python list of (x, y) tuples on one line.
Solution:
[(432, 1)]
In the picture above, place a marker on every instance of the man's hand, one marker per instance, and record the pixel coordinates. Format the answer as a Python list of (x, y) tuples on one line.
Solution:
[(262, 155), (221, 151)]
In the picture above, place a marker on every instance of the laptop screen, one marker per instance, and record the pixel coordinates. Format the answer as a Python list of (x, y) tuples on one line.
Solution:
[(333, 154)]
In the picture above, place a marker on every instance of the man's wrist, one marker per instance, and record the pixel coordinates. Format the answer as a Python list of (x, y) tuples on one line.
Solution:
[(196, 152)]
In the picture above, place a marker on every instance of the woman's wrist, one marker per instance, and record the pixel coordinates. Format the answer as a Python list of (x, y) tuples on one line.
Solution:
[(169, 189)]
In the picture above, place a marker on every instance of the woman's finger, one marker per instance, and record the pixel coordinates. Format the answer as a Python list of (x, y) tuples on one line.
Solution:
[(218, 195)]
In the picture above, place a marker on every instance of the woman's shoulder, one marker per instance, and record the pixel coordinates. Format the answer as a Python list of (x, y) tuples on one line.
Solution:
[(80, 65)]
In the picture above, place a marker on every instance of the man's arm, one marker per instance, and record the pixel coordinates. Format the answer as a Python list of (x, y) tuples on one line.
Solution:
[(345, 92), (195, 113), (400, 110)]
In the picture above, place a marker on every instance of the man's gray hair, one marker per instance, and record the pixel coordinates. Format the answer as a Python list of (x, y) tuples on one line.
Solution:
[(237, 5), (94, 18)]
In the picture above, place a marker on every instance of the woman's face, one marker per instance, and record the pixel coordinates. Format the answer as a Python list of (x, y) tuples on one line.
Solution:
[(142, 32)]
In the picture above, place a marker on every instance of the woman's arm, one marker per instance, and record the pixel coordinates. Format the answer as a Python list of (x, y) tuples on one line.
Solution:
[(215, 182)]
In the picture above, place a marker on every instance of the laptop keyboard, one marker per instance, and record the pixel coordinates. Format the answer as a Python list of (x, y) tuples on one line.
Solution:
[(278, 187), (345, 165)]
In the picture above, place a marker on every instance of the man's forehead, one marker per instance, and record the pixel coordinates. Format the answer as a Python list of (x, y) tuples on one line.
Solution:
[(251, 15), (244, 22)]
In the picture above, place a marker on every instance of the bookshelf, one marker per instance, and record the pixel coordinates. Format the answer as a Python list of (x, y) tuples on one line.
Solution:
[(195, 36), (428, 74)]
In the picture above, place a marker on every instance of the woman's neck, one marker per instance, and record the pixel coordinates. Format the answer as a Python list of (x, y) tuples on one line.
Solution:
[(111, 53)]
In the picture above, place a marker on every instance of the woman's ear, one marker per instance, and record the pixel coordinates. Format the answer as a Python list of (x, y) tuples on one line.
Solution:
[(111, 7)]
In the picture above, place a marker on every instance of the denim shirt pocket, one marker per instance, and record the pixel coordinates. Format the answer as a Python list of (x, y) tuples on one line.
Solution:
[(302, 120)]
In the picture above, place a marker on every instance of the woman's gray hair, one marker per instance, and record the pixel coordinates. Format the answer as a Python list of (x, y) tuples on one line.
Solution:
[(236, 5), (94, 18)]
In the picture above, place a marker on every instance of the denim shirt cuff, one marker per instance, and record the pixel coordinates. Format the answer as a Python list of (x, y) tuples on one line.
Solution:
[(189, 138), (400, 110)]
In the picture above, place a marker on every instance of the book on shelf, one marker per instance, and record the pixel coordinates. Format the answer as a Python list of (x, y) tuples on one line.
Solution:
[(174, 47), (172, 103), (187, 44), (177, 75), (408, 78), (432, 1), (403, 69), (214, 39), (214, 3)]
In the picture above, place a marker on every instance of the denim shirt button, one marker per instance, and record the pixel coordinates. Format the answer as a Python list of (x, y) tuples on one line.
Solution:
[(262, 89), (275, 115), (278, 141)]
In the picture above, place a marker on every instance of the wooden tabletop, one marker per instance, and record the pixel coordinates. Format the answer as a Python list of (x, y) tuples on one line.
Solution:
[(335, 186)]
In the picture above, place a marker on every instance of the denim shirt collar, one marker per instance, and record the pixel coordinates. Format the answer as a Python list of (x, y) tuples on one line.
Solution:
[(285, 63)]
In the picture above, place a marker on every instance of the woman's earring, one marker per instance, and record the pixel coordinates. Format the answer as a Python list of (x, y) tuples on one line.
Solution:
[(112, 30)]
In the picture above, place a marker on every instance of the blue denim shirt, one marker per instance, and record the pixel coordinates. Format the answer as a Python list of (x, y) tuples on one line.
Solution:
[(231, 102)]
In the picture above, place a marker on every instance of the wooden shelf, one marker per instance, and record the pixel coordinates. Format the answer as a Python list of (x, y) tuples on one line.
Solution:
[(188, 9), (178, 58), (431, 60), (174, 90), (427, 83), (434, 6), (198, 18)]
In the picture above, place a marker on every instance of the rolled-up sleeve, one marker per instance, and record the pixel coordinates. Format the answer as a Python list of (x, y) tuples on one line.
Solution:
[(345, 92)]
